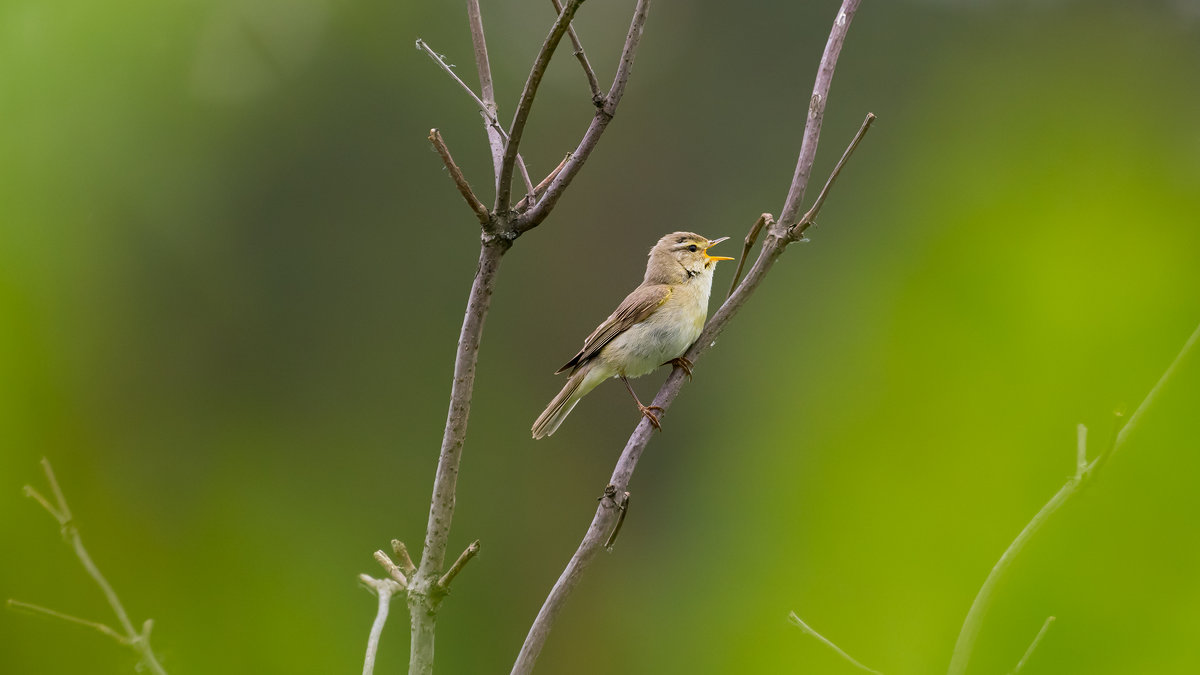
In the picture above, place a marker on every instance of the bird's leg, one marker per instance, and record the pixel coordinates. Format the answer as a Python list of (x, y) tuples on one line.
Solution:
[(646, 409), (684, 363)]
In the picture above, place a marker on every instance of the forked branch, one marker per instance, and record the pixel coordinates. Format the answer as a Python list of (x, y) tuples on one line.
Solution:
[(604, 114), (597, 95), (486, 109), (425, 584), (125, 634), (517, 130), (607, 513)]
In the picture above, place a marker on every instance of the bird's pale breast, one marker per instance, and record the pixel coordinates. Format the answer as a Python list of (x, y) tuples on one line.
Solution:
[(664, 335)]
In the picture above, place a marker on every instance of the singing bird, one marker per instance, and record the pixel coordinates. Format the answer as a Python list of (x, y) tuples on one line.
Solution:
[(652, 327)]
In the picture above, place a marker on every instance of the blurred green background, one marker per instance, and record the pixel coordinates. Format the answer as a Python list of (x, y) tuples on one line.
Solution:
[(232, 274)]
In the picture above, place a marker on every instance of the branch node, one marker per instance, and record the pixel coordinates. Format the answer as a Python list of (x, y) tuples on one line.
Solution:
[(796, 231)]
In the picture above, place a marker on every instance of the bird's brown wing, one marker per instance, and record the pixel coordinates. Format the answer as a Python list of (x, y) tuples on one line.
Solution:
[(634, 309)]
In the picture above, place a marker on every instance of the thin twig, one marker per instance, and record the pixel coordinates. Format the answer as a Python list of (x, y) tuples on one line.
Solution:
[(810, 216), (456, 174), (541, 187), (969, 633), (33, 494), (384, 589), (463, 559), (138, 641), (488, 111), (38, 609), (391, 568), (1033, 645), (486, 90), (765, 219), (604, 518), (1140, 412), (401, 551), (517, 130), (826, 641), (63, 509), (545, 204), (597, 95), (1081, 459), (816, 114)]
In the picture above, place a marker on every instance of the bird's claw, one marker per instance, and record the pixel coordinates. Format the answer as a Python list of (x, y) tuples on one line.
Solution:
[(646, 412), (682, 363)]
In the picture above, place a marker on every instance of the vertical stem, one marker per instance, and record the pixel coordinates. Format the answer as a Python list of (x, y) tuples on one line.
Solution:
[(816, 115), (423, 592), (486, 89)]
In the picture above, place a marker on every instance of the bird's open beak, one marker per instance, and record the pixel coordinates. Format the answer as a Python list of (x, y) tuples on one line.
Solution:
[(714, 242)]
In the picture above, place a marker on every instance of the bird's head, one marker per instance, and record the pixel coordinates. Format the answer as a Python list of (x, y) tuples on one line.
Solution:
[(682, 254)]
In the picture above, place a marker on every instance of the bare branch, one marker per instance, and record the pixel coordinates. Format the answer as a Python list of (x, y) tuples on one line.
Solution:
[(606, 513), (140, 642), (460, 180), (517, 130), (825, 641), (463, 559), (1033, 645), (969, 633), (384, 589), (486, 89), (488, 111), (38, 609), (423, 597), (816, 114), (797, 230), (597, 95), (538, 212), (752, 236)]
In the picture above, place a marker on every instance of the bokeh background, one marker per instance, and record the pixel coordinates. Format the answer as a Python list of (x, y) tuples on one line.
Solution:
[(232, 274)]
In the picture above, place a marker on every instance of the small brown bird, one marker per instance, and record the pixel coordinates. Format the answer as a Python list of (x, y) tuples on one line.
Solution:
[(652, 327)]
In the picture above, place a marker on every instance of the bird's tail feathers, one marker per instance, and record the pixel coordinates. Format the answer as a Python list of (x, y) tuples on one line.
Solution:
[(577, 385)]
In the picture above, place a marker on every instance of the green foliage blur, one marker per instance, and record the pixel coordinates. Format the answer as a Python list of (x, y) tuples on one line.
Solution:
[(232, 274)]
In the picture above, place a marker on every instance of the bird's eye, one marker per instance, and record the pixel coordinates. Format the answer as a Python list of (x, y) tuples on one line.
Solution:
[(692, 248)]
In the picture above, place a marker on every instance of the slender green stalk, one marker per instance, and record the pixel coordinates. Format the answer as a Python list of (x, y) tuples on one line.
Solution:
[(1084, 473)]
